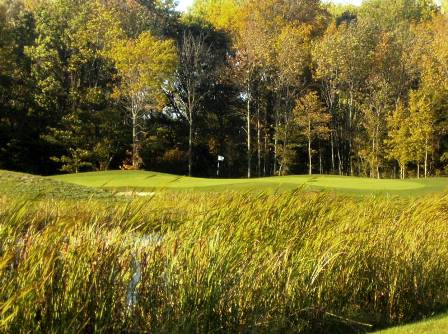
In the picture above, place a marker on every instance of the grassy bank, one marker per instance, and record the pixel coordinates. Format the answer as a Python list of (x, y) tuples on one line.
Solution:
[(35, 187), (233, 262), (434, 325)]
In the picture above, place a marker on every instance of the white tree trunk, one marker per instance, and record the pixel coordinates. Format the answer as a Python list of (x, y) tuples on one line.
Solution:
[(135, 153), (310, 166)]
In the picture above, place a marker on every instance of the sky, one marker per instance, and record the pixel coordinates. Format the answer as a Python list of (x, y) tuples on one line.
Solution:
[(183, 4)]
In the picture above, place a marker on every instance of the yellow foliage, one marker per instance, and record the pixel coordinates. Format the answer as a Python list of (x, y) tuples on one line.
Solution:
[(145, 65), (222, 14), (293, 48)]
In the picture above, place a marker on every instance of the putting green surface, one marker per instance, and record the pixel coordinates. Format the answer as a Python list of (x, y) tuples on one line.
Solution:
[(142, 180)]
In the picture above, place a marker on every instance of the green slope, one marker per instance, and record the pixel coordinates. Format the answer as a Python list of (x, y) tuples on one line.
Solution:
[(436, 325), (14, 184), (142, 180)]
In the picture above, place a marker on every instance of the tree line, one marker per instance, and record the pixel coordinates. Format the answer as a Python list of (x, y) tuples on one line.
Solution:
[(276, 87)]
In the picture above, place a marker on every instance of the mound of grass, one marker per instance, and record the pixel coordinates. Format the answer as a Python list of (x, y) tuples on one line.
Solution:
[(141, 180), (435, 325), (14, 184), (233, 262)]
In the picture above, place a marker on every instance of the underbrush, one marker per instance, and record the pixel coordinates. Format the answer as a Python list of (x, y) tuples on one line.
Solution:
[(232, 262)]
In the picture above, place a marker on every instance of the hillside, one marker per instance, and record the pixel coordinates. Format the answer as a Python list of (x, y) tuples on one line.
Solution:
[(436, 325), (14, 184)]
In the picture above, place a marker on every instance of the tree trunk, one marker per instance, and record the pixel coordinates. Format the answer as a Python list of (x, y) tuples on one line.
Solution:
[(258, 142), (418, 169), (320, 162), (275, 143), (190, 146), (372, 160), (265, 155), (284, 169), (134, 142), (339, 162), (266, 138), (310, 166), (426, 158), (332, 152), (350, 157), (377, 149), (350, 134), (249, 155)]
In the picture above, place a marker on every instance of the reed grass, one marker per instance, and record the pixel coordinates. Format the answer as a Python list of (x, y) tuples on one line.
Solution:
[(232, 262)]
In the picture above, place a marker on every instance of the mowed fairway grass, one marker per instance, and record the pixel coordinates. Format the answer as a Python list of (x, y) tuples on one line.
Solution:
[(436, 325), (148, 181)]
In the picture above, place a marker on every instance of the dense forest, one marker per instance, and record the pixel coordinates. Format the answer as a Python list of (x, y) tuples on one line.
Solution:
[(276, 87)]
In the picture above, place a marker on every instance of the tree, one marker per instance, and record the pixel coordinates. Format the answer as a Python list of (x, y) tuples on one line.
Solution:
[(144, 66), (248, 61), (195, 68), (76, 85), (69, 66), (344, 59), (160, 18), (222, 14), (422, 125), (292, 64), (398, 143), (248, 64), (388, 81), (273, 46), (70, 134), (21, 120), (312, 117), (429, 56), (392, 13)]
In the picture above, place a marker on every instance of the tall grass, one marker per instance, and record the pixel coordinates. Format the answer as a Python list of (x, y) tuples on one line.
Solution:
[(306, 263)]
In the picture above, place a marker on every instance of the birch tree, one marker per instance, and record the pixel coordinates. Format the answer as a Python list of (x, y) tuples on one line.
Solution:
[(247, 67), (398, 142), (313, 118), (422, 133)]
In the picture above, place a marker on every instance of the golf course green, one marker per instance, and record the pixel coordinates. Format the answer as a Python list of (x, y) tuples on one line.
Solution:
[(144, 180)]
